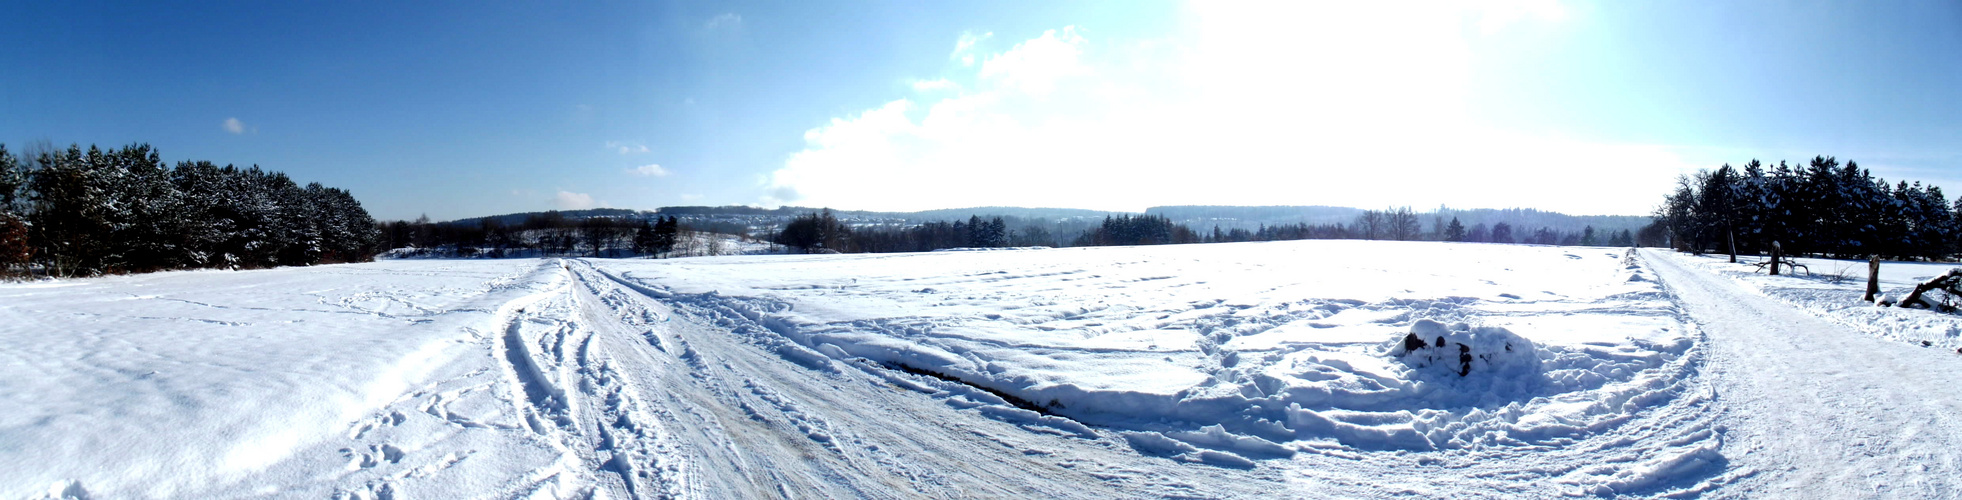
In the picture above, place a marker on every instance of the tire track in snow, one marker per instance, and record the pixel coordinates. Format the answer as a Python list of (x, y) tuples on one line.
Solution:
[(390, 456), (562, 374)]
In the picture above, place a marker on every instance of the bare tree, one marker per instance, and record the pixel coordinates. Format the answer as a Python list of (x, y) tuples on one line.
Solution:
[(1370, 225), (1402, 224)]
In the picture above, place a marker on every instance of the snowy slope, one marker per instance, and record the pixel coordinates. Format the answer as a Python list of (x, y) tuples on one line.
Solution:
[(1289, 369)]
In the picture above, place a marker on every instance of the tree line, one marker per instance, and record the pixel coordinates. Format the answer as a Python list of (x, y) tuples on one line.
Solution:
[(1403, 224), (1822, 208), (824, 232), (540, 234), (88, 212)]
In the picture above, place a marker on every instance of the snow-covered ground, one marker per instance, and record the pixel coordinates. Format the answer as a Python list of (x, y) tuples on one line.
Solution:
[(1282, 369)]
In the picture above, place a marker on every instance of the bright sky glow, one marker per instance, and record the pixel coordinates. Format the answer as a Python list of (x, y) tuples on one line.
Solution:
[(1587, 108)]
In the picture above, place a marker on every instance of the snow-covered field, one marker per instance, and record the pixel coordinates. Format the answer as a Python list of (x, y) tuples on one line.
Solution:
[(1282, 369)]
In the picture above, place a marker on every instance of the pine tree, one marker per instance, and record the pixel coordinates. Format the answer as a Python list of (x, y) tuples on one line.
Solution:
[(1502, 233), (202, 226), (13, 177), (977, 232), (1621, 239), (644, 239), (1716, 210), (997, 234), (1455, 231), (147, 240), (667, 234), (67, 218), (15, 251)]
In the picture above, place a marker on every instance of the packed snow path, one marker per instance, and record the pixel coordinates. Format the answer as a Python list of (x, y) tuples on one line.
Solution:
[(1815, 409)]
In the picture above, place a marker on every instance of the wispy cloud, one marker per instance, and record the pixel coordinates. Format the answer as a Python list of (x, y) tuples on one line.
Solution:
[(965, 47), (567, 200), (235, 126), (649, 170), (729, 20), (626, 148)]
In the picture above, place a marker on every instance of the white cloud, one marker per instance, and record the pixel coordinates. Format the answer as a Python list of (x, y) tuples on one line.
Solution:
[(234, 126), (626, 148), (1287, 103), (728, 20), (649, 170), (1036, 65), (567, 200)]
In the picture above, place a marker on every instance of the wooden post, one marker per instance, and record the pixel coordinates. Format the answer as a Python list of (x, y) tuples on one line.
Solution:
[(1776, 253), (1732, 235), (1873, 278)]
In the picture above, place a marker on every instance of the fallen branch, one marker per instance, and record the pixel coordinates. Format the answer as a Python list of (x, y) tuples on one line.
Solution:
[(1763, 264), (1950, 282)]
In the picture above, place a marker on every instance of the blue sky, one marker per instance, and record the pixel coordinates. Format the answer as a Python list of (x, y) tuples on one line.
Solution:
[(463, 109)]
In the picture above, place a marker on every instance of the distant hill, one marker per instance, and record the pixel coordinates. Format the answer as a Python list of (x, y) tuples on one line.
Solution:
[(1230, 217), (1025, 213), (736, 219), (1203, 218)]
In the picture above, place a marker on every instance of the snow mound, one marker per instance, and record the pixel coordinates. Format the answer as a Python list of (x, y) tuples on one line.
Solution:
[(1462, 350)]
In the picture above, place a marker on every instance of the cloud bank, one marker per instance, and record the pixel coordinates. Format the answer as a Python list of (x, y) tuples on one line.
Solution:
[(1293, 103)]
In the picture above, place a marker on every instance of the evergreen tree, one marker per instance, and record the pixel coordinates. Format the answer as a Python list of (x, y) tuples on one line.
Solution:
[(667, 234), (1716, 210), (997, 233), (1502, 233), (204, 224), (1455, 231), (15, 250), (644, 239), (1621, 239), (68, 217), (13, 177), (815, 233)]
